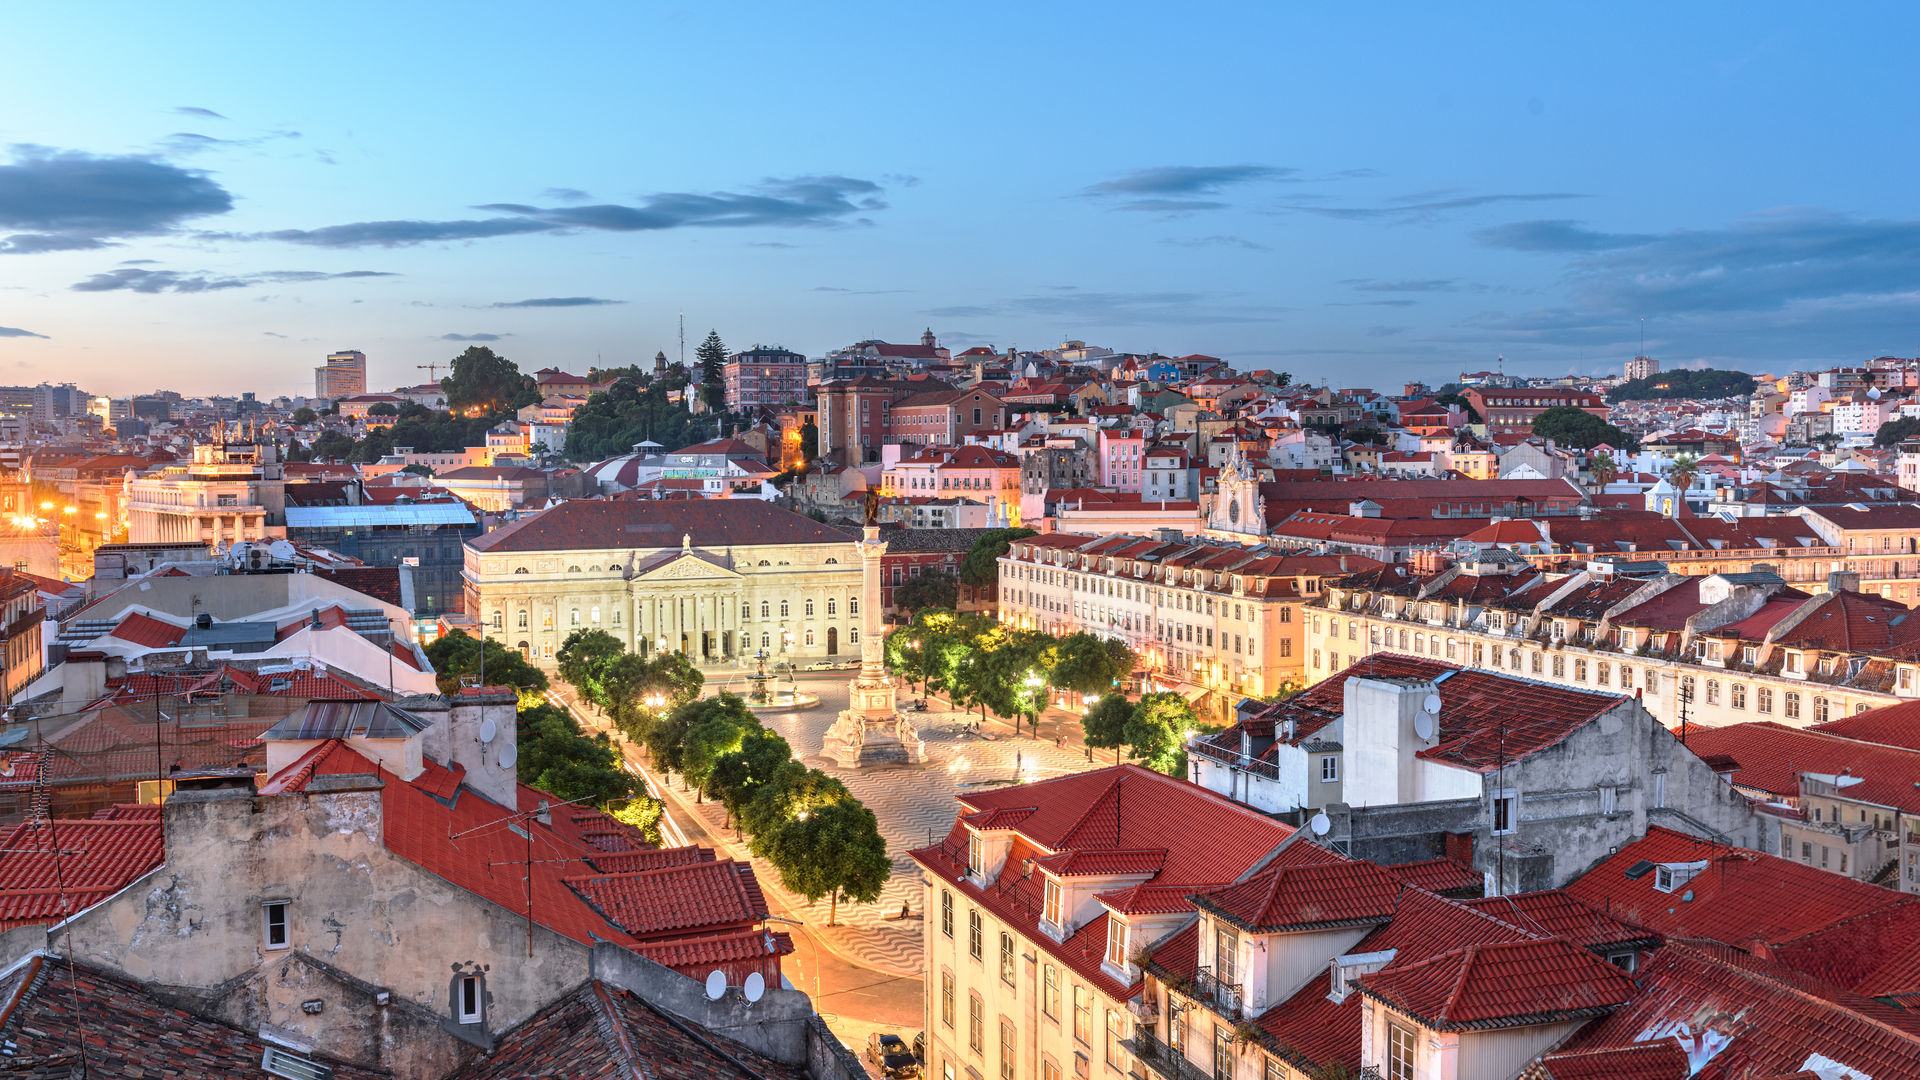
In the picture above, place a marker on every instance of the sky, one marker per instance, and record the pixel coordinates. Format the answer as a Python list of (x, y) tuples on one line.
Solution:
[(212, 198)]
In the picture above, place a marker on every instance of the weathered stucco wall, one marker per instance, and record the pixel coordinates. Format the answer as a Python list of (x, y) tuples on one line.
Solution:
[(373, 922)]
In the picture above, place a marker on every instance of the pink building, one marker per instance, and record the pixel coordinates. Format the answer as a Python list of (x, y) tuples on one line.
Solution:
[(1121, 454)]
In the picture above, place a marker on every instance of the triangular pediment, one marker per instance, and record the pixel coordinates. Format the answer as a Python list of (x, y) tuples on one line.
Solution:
[(682, 566)]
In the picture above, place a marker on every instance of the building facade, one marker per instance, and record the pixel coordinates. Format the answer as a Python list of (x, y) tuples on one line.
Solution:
[(229, 492), (1507, 412), (343, 375), (716, 579), (764, 378)]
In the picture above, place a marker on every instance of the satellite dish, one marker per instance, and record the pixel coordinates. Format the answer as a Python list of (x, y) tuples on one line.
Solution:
[(1431, 705), (508, 755), (716, 984), (756, 986), (487, 730), (1423, 726), (1319, 823)]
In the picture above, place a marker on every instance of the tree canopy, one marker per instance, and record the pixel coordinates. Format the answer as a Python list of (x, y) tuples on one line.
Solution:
[(454, 655), (1894, 432), (482, 382), (982, 564), (304, 415), (929, 590), (634, 409), (1705, 383), (1575, 427), (558, 758), (711, 355), (834, 851)]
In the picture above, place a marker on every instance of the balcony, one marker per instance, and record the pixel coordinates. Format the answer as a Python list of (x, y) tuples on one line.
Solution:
[(1160, 1059), (1222, 995)]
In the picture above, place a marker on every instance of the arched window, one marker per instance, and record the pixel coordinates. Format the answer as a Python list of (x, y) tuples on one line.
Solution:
[(809, 637), (498, 619), (764, 607), (573, 569), (616, 616), (853, 606), (519, 569), (573, 617), (764, 562), (809, 609), (595, 615), (546, 620), (525, 650), (833, 606), (783, 609), (613, 569), (523, 620), (833, 562), (766, 641)]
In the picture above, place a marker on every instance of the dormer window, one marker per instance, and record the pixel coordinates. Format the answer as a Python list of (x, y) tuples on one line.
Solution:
[(976, 856), (1055, 898), (1117, 942), (1669, 876)]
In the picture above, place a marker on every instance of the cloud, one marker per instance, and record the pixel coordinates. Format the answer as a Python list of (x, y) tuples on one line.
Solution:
[(1423, 207), (138, 262), (1421, 285), (72, 201), (857, 292), (807, 201), (1217, 241), (1558, 236), (1384, 331), (270, 333), (1177, 180), (174, 281), (1373, 303), (195, 110), (556, 301), (14, 331), (473, 337), (770, 244), (566, 194)]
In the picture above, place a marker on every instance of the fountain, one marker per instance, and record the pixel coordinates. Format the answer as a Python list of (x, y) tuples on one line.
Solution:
[(764, 696), (871, 731)]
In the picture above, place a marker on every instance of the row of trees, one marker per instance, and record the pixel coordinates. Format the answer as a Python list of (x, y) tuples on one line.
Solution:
[(821, 839), (554, 754), (1153, 730), (977, 662)]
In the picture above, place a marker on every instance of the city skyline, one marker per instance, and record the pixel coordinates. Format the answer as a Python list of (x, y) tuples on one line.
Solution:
[(1324, 193)]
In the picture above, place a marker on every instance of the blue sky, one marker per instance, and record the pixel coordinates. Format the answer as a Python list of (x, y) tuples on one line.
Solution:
[(213, 201)]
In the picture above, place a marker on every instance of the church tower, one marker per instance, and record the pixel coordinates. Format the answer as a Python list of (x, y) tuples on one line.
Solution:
[(928, 340)]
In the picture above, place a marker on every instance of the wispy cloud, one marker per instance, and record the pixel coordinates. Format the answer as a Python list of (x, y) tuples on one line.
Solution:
[(808, 201), (556, 301), (473, 337), (1416, 208), (16, 332), (1177, 189), (857, 292), (174, 281), (1116, 308), (1412, 285), (187, 143), (566, 194), (1216, 241), (195, 110), (71, 201), (1559, 235)]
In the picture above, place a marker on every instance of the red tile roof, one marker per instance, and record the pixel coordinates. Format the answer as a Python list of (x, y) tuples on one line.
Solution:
[(1891, 725), (1438, 875), (96, 858), (1492, 985), (713, 523), (1742, 896), (1660, 1059), (1772, 756), (675, 899), (146, 630), (1876, 954), (1296, 897), (1552, 913), (1744, 1017)]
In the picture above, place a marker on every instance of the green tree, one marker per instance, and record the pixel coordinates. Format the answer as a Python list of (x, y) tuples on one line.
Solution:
[(1574, 427), (809, 440), (982, 565), (1604, 470), (632, 410), (417, 469), (1686, 468), (1473, 414), (665, 738), (833, 851), (584, 657), (484, 383), (331, 446), (711, 355), (1156, 733), (739, 775), (558, 758), (1894, 432), (715, 727), (1706, 383), (929, 590), (643, 812), (1089, 664), (304, 416), (383, 408), (1104, 727), (455, 655), (793, 791)]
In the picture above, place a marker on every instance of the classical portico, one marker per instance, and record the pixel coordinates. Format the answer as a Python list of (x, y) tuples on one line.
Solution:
[(717, 579)]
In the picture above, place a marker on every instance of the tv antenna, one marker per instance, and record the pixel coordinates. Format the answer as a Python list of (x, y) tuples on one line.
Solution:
[(683, 339)]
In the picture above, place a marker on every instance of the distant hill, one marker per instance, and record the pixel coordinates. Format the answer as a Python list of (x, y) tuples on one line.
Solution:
[(1709, 383)]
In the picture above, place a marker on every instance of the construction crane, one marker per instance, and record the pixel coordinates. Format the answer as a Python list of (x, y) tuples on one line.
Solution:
[(430, 369)]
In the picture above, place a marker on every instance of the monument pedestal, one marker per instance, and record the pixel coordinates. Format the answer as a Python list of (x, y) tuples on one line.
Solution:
[(870, 730)]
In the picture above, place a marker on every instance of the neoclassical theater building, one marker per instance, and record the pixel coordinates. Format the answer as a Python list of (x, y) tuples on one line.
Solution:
[(719, 579)]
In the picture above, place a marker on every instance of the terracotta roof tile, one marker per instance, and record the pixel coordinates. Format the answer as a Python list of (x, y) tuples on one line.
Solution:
[(675, 899), (1491, 985), (1438, 875), (1658, 1059), (1323, 893), (712, 523)]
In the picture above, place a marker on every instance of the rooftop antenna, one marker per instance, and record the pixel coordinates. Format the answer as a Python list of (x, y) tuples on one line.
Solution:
[(683, 339)]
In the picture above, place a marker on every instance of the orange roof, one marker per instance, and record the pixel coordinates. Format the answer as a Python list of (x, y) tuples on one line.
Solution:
[(98, 857), (1500, 984)]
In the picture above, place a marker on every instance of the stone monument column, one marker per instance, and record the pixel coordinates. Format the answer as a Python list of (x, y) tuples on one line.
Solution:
[(870, 731)]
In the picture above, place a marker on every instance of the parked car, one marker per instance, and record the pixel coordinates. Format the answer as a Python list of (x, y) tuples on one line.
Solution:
[(891, 1054), (823, 665)]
